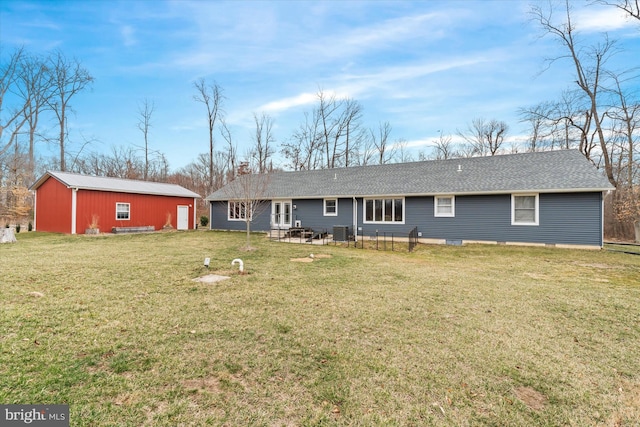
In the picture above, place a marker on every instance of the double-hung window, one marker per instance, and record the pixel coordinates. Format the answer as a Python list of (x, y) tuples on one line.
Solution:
[(384, 210), (524, 209), (444, 206), (237, 211), (330, 207), (123, 211)]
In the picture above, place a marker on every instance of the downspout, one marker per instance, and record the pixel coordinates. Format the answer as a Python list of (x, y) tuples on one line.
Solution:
[(35, 210), (195, 224), (74, 207), (355, 219), (602, 219)]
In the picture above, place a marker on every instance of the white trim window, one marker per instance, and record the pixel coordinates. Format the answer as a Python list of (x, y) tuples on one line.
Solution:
[(525, 209), (384, 210), (444, 206), (236, 211), (330, 207), (123, 211)]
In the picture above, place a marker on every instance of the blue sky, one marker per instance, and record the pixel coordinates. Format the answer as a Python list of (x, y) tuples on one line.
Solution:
[(425, 67)]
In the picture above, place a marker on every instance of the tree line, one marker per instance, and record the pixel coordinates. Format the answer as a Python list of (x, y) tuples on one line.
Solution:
[(598, 113)]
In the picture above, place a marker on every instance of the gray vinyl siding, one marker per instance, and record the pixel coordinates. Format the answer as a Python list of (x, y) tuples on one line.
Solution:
[(567, 218), (310, 212), (564, 218), (219, 219)]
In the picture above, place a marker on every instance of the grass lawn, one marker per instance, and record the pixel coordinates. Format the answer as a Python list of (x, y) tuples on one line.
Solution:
[(630, 248), (115, 327)]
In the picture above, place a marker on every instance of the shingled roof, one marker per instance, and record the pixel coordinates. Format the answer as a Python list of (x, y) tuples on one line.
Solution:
[(550, 171), (87, 182)]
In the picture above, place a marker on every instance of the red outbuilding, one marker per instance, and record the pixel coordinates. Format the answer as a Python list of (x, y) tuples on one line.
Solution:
[(71, 203)]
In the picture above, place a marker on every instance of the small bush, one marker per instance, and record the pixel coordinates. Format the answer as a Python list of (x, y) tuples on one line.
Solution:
[(6, 225), (17, 228), (30, 227), (204, 220)]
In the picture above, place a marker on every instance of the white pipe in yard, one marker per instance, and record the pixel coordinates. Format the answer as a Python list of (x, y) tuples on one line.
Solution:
[(238, 261)]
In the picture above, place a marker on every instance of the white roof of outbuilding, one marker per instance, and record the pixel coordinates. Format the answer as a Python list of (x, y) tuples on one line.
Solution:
[(118, 185)]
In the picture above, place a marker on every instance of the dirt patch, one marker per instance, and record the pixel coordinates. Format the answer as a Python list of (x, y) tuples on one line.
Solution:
[(210, 278), (199, 385), (36, 294), (590, 265), (530, 397), (311, 257), (537, 276)]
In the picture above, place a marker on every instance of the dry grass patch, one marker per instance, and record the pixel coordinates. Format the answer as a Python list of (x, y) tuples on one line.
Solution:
[(530, 397), (473, 335)]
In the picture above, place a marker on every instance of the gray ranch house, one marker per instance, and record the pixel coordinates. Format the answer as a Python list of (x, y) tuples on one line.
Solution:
[(552, 198)]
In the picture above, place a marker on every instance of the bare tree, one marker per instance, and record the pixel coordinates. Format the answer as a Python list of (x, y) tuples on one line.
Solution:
[(537, 118), (304, 150), (248, 196), (68, 78), (15, 200), (35, 90), (630, 7), (403, 154), (589, 65), (263, 140), (444, 147), (626, 113), (346, 132), (485, 137), (194, 175), (553, 125), (145, 110), (495, 134), (330, 131), (380, 140), (14, 117), (330, 136), (367, 151), (211, 95), (231, 152), (572, 124)]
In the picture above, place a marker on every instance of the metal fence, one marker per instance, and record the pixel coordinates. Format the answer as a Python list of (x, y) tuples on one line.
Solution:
[(385, 241), (308, 235), (366, 239), (413, 239)]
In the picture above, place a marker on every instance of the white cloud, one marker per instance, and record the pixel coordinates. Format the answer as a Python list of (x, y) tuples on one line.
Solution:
[(128, 35), (283, 104), (357, 85), (363, 85), (601, 20), (389, 31), (364, 40)]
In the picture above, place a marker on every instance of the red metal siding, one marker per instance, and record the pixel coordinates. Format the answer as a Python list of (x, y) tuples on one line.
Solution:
[(144, 210), (53, 207)]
